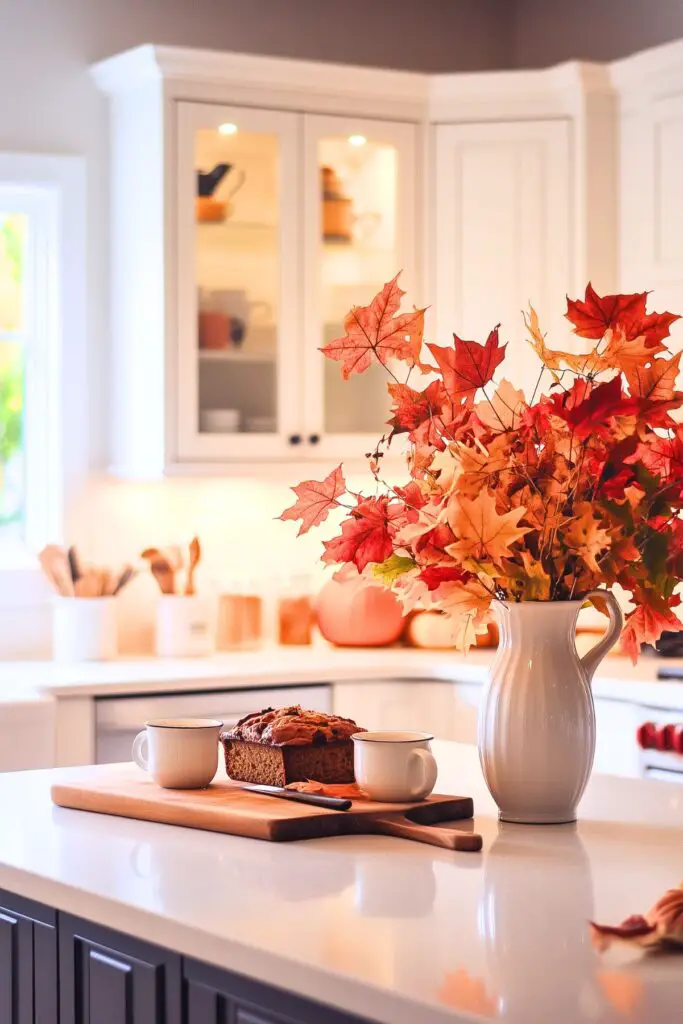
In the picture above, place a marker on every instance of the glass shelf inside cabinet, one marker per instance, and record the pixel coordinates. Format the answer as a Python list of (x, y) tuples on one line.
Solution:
[(237, 259), (358, 254)]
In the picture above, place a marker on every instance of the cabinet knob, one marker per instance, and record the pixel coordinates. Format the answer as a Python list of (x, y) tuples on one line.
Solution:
[(314, 438), (295, 438)]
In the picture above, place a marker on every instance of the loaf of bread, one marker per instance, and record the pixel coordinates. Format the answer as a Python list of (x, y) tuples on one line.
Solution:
[(281, 745)]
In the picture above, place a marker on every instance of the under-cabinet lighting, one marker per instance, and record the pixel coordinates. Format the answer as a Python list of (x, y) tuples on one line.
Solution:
[(228, 128), (357, 140)]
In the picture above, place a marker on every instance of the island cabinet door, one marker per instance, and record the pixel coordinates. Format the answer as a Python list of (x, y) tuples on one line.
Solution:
[(109, 978), (214, 996), (28, 962)]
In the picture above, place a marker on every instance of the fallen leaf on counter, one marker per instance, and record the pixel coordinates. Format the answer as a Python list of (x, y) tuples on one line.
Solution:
[(463, 991), (346, 790), (661, 927)]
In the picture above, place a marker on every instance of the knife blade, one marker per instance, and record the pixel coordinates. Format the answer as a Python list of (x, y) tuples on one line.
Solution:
[(332, 803)]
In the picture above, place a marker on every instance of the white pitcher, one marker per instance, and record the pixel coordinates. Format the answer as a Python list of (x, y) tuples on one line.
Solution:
[(537, 719)]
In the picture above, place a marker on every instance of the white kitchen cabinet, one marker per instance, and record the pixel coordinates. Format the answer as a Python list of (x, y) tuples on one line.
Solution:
[(399, 705), (503, 191), (650, 88), (487, 190), (229, 271), (27, 734), (525, 204)]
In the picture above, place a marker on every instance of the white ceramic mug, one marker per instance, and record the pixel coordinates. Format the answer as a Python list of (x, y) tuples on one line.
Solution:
[(394, 767), (179, 753)]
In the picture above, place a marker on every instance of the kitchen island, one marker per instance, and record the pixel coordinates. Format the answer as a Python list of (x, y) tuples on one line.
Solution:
[(145, 922)]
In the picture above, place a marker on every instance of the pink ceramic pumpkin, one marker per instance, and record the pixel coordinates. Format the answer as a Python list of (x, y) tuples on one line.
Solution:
[(357, 614)]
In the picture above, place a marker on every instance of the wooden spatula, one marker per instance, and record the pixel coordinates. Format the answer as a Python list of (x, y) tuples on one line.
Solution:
[(195, 555)]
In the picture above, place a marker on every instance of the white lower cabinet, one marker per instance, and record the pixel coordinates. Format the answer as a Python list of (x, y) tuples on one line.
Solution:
[(27, 735), (399, 704)]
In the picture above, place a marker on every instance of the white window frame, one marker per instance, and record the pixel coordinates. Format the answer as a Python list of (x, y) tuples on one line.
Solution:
[(51, 190)]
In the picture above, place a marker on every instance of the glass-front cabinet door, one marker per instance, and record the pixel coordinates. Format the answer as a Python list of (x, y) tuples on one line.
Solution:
[(238, 385), (359, 223)]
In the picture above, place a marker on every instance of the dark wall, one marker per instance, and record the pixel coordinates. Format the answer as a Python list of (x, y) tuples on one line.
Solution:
[(422, 35), (548, 31)]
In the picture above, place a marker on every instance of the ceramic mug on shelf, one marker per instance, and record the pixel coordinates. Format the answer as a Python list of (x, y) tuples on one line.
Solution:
[(179, 753), (394, 767)]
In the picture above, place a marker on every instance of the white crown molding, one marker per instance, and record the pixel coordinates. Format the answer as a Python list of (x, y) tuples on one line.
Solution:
[(558, 91), (139, 66), (650, 73)]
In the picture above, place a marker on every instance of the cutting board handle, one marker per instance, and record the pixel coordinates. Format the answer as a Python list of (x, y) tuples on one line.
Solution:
[(448, 839)]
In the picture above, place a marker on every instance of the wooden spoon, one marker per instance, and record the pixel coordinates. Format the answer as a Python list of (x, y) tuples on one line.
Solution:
[(55, 565), (195, 556), (161, 569)]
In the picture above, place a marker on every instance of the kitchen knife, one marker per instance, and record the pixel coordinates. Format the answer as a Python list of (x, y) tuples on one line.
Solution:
[(332, 803)]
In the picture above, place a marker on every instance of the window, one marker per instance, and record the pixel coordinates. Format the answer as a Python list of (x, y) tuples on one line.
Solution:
[(42, 302)]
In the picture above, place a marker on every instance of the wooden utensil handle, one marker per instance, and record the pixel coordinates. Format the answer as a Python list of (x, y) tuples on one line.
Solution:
[(447, 839)]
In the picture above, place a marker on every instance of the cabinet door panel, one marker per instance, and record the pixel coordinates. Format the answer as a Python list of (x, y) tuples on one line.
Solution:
[(109, 978), (205, 1005), (502, 228), (238, 317), (110, 984), (360, 215), (28, 974)]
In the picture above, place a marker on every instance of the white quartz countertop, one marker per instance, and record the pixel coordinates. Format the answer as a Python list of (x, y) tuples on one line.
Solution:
[(616, 677), (394, 931)]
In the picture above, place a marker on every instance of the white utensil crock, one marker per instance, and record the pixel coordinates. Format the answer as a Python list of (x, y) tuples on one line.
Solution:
[(84, 629), (537, 719), (186, 626)]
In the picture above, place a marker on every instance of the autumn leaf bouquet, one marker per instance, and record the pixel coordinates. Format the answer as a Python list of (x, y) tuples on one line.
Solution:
[(544, 497)]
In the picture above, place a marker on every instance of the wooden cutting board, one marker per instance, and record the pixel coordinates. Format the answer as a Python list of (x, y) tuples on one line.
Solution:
[(126, 791)]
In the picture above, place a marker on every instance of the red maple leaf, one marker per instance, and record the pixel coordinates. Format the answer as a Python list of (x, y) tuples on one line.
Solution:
[(430, 548), (595, 314), (645, 625), (367, 535), (374, 332), (427, 416), (411, 408), (315, 499), (655, 327), (468, 366), (587, 407), (592, 316), (435, 575), (413, 499)]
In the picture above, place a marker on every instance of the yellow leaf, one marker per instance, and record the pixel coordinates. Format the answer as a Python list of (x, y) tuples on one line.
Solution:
[(480, 531), (552, 359)]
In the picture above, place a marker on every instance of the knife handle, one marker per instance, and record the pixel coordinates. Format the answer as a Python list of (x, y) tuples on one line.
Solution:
[(333, 803)]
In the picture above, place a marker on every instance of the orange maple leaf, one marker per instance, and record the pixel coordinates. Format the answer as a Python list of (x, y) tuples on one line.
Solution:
[(480, 531), (586, 535), (554, 359), (375, 332), (655, 382), (315, 499)]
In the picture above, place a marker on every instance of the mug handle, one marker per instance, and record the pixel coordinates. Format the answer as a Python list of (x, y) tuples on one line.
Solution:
[(428, 772), (141, 757), (592, 659)]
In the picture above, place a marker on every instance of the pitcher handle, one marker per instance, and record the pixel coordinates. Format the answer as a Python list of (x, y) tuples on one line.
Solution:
[(592, 659)]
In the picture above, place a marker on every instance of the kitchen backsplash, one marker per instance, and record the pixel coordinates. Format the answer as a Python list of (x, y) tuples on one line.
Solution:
[(244, 544)]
